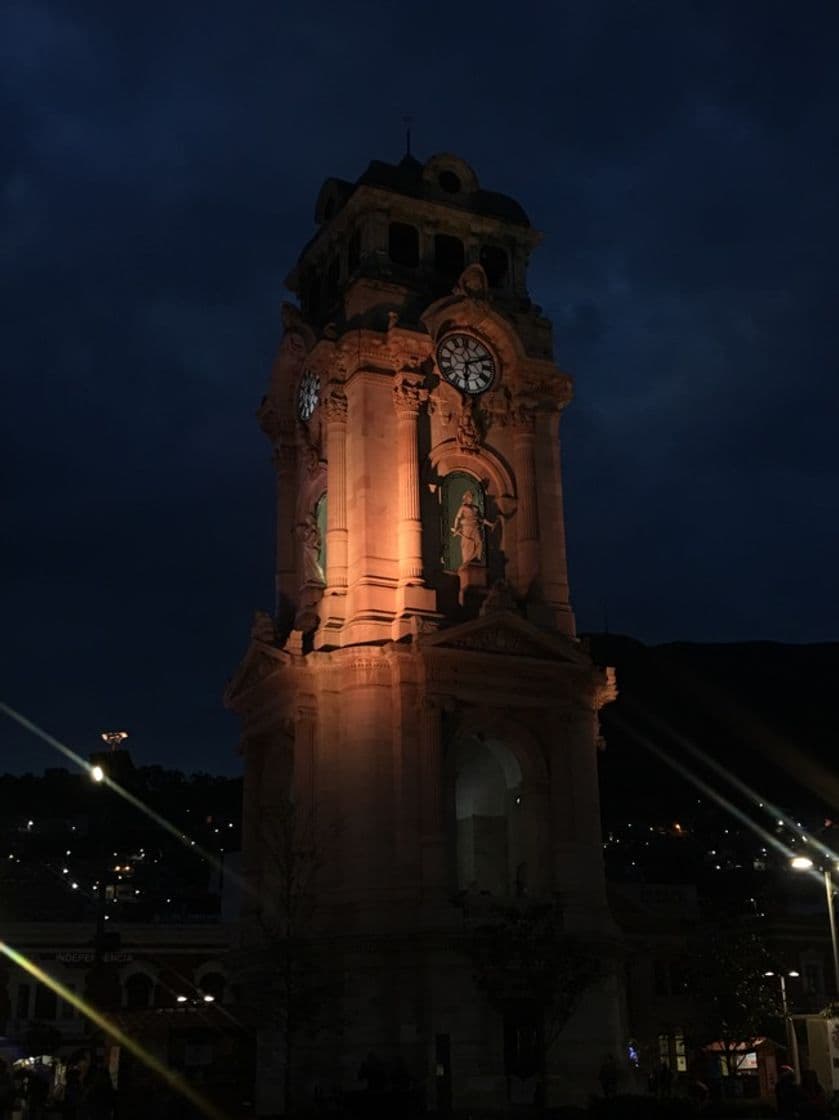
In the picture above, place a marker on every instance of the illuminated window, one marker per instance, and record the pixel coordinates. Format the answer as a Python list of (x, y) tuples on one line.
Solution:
[(681, 1059)]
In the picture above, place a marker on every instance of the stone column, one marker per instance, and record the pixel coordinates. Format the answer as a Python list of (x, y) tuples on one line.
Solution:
[(335, 407), (527, 514), (408, 398)]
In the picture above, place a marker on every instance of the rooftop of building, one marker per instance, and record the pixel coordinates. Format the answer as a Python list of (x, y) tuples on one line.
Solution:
[(443, 179)]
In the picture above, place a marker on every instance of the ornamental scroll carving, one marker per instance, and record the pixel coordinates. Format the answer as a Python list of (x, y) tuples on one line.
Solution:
[(469, 436)]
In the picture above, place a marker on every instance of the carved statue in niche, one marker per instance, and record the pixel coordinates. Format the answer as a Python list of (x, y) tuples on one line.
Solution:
[(308, 534), (468, 525)]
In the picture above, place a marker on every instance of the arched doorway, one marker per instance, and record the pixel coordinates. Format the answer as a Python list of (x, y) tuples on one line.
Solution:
[(489, 841)]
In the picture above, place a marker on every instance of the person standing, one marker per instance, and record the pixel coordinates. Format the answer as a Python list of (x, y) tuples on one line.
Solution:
[(788, 1096)]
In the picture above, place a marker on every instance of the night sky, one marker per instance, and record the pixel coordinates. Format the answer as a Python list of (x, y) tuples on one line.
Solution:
[(160, 164)]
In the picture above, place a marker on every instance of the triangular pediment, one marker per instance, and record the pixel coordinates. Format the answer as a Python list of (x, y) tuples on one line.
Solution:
[(261, 660), (506, 633)]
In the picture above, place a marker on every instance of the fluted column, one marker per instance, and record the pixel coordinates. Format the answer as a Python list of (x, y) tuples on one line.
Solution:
[(527, 513), (408, 398), (335, 407)]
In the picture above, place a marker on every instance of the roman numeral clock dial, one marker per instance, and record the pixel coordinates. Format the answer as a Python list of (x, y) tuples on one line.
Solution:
[(466, 363)]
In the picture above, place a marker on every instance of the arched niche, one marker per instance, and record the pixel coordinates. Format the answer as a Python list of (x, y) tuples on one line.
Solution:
[(461, 541), (447, 472), (497, 798), (490, 857)]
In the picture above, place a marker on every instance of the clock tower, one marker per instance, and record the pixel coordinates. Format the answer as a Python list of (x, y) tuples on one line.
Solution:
[(418, 700)]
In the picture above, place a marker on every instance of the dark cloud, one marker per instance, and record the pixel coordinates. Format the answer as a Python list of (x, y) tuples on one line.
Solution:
[(159, 168)]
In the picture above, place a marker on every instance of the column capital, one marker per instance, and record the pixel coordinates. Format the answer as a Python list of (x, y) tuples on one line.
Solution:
[(523, 414), (409, 395), (335, 403)]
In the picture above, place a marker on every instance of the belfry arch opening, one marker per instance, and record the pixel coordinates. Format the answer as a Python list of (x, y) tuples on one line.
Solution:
[(488, 824)]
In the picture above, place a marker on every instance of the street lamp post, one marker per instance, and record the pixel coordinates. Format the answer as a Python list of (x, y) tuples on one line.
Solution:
[(804, 863), (792, 1037)]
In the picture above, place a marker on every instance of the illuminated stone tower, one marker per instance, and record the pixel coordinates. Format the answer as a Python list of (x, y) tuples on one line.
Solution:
[(419, 692)]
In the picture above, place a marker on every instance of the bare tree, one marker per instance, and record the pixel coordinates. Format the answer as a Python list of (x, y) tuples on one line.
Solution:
[(735, 1003), (300, 994), (534, 974)]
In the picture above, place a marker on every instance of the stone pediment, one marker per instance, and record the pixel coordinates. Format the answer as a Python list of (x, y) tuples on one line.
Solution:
[(506, 633), (261, 660)]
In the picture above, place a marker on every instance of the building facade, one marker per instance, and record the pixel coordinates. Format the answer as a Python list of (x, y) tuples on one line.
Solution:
[(419, 721)]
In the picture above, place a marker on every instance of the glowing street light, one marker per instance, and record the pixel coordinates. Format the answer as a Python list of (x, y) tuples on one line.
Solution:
[(97, 773), (803, 863)]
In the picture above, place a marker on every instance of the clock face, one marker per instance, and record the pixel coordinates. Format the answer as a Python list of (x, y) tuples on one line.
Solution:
[(466, 363), (308, 395)]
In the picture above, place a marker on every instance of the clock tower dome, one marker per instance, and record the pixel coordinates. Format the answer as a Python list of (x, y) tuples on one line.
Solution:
[(418, 696)]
